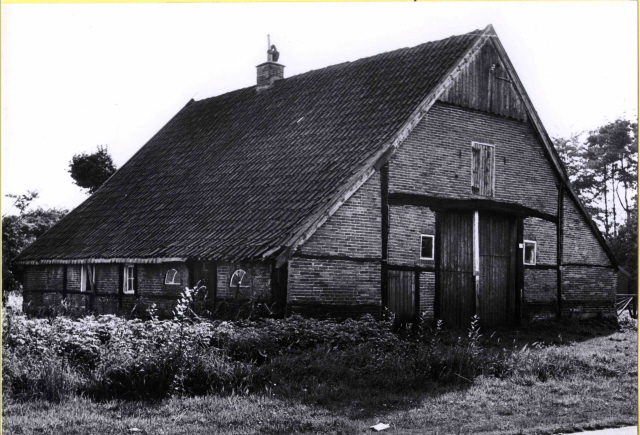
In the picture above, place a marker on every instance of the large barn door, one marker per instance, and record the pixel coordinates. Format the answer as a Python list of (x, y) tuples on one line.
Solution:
[(497, 237), (402, 295), (456, 280)]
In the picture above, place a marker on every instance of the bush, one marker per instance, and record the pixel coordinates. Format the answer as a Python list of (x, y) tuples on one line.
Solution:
[(108, 357)]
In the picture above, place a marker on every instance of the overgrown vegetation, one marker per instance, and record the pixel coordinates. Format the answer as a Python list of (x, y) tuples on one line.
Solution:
[(108, 357), (304, 375)]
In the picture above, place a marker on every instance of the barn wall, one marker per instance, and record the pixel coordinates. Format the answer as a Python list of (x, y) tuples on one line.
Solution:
[(406, 224), (540, 298), (259, 287), (354, 229), (333, 287), (44, 284), (544, 233), (337, 271), (435, 159), (580, 244), (588, 292)]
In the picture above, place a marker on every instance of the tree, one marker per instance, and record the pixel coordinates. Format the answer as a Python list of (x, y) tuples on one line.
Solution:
[(604, 171), (90, 171), (18, 232)]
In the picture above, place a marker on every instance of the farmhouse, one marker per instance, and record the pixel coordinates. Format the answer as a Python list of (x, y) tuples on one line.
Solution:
[(418, 180)]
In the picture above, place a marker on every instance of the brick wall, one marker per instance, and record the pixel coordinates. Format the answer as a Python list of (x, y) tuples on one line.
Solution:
[(333, 282), (540, 298), (544, 233), (341, 287), (580, 244), (406, 224), (588, 291), (436, 158), (354, 229)]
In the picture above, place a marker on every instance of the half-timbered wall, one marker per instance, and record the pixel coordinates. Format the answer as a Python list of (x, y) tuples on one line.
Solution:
[(540, 296), (337, 271)]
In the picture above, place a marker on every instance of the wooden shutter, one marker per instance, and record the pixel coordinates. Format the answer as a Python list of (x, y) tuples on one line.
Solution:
[(482, 168)]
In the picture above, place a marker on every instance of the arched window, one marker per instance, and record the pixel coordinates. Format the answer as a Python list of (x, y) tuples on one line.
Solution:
[(172, 277), (240, 278)]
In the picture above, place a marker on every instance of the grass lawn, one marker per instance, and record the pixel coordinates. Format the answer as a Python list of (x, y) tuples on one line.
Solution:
[(486, 405)]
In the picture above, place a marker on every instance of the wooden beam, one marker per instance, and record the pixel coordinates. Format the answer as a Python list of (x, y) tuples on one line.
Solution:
[(476, 258), (416, 276), (64, 282), (337, 258), (120, 284), (559, 245), (384, 231), (440, 203), (436, 278), (604, 266), (541, 266), (411, 268), (519, 267)]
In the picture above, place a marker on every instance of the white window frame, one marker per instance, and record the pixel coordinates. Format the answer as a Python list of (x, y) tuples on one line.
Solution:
[(173, 278), (244, 274), (524, 252), (129, 279), (433, 246), (83, 276)]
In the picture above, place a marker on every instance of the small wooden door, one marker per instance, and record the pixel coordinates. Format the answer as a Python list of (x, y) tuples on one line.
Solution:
[(402, 295), (496, 286), (279, 282), (457, 283)]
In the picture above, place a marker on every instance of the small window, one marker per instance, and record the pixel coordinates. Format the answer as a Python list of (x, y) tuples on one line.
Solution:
[(426, 247), (84, 279), (172, 277), (240, 278), (129, 285), (529, 252), (482, 168)]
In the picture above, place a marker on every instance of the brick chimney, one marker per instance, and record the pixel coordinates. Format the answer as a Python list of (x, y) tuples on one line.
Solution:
[(270, 71)]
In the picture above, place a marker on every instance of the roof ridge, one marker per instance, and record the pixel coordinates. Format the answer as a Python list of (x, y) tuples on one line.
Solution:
[(371, 58)]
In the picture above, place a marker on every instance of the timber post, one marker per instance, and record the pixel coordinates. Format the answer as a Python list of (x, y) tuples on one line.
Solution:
[(559, 244), (384, 269)]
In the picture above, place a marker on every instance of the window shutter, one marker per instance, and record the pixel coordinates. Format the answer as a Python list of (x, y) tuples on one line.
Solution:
[(482, 169), (488, 170), (475, 168)]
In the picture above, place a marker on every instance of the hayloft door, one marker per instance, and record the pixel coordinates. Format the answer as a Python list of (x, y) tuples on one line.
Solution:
[(402, 295), (456, 295)]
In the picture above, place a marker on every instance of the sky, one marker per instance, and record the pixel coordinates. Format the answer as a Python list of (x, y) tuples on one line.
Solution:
[(78, 76)]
